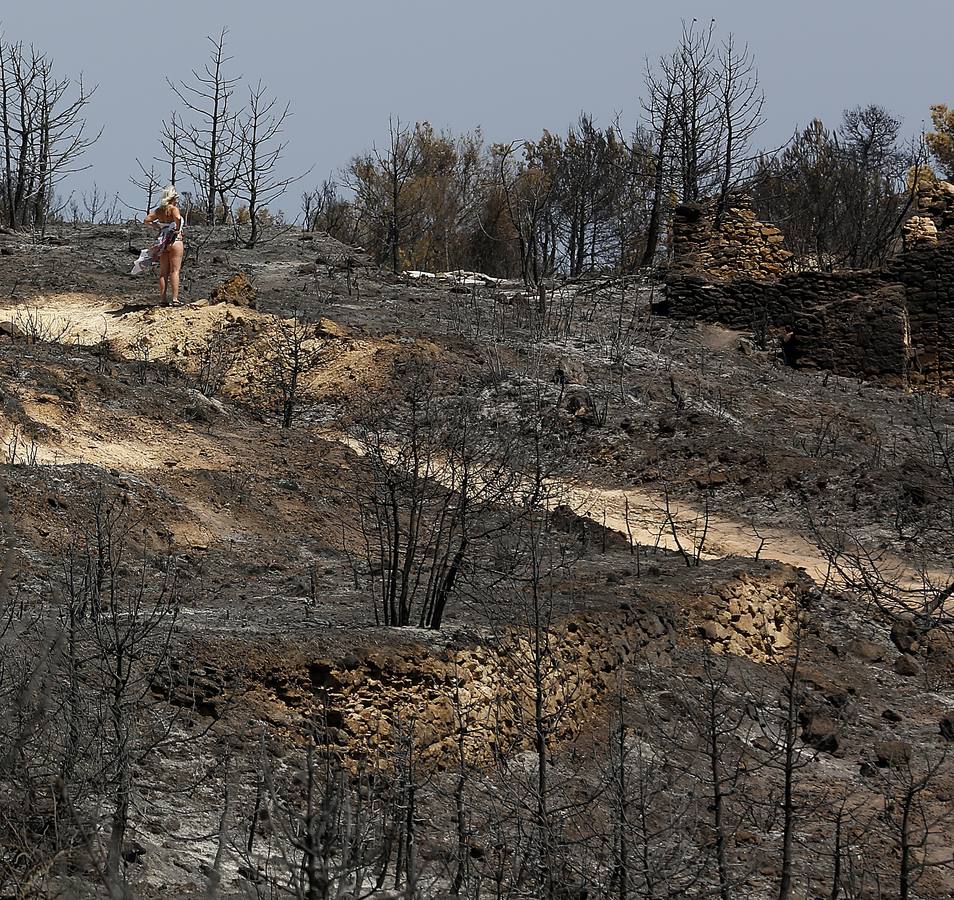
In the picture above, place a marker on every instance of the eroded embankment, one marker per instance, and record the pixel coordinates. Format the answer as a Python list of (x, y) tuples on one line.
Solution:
[(481, 699)]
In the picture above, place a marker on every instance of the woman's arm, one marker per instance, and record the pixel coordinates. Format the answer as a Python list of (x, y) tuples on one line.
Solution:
[(150, 219)]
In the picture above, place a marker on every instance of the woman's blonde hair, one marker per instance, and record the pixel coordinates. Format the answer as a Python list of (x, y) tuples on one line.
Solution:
[(169, 194)]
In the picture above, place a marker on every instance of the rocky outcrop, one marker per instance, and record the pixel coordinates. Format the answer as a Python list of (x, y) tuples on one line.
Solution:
[(740, 246)]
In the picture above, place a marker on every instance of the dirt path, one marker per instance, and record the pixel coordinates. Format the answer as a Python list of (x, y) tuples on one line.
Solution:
[(643, 516)]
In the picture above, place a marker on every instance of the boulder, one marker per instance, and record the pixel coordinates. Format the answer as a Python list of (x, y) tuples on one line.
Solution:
[(866, 650), (904, 635), (892, 754), (714, 632), (947, 726), (326, 328), (820, 732), (569, 371), (200, 401), (11, 329), (582, 407), (907, 666)]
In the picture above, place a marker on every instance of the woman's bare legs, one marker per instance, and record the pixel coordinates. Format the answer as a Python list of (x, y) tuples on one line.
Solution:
[(163, 274), (170, 262), (174, 254)]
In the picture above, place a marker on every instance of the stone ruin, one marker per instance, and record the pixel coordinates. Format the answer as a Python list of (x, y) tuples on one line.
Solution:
[(894, 324), (933, 219), (740, 246)]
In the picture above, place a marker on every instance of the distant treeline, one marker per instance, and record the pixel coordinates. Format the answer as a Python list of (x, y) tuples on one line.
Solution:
[(595, 198)]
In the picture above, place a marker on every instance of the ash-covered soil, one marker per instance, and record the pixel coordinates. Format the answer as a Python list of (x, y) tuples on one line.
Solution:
[(687, 466)]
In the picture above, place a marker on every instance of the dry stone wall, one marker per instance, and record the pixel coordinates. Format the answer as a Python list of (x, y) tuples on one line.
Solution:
[(483, 695), (933, 219), (751, 617), (740, 246), (894, 324)]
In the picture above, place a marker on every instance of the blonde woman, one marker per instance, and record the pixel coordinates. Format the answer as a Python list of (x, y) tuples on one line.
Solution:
[(167, 216)]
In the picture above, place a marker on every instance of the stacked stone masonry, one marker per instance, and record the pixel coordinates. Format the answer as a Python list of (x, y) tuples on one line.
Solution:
[(933, 219), (894, 324), (487, 692), (482, 695), (738, 246)]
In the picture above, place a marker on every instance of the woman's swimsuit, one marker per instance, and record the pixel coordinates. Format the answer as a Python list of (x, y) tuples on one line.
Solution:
[(167, 236)]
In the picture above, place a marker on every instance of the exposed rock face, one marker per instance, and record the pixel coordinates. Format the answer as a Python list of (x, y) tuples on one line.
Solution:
[(740, 246), (867, 650), (237, 290)]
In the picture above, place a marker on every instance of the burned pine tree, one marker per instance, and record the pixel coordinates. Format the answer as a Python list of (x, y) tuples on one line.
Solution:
[(44, 133), (209, 147), (259, 182)]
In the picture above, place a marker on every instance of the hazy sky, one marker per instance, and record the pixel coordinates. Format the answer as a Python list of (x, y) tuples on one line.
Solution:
[(512, 66)]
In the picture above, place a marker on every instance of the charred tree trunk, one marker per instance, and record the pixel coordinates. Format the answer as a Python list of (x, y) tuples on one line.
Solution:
[(659, 180)]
